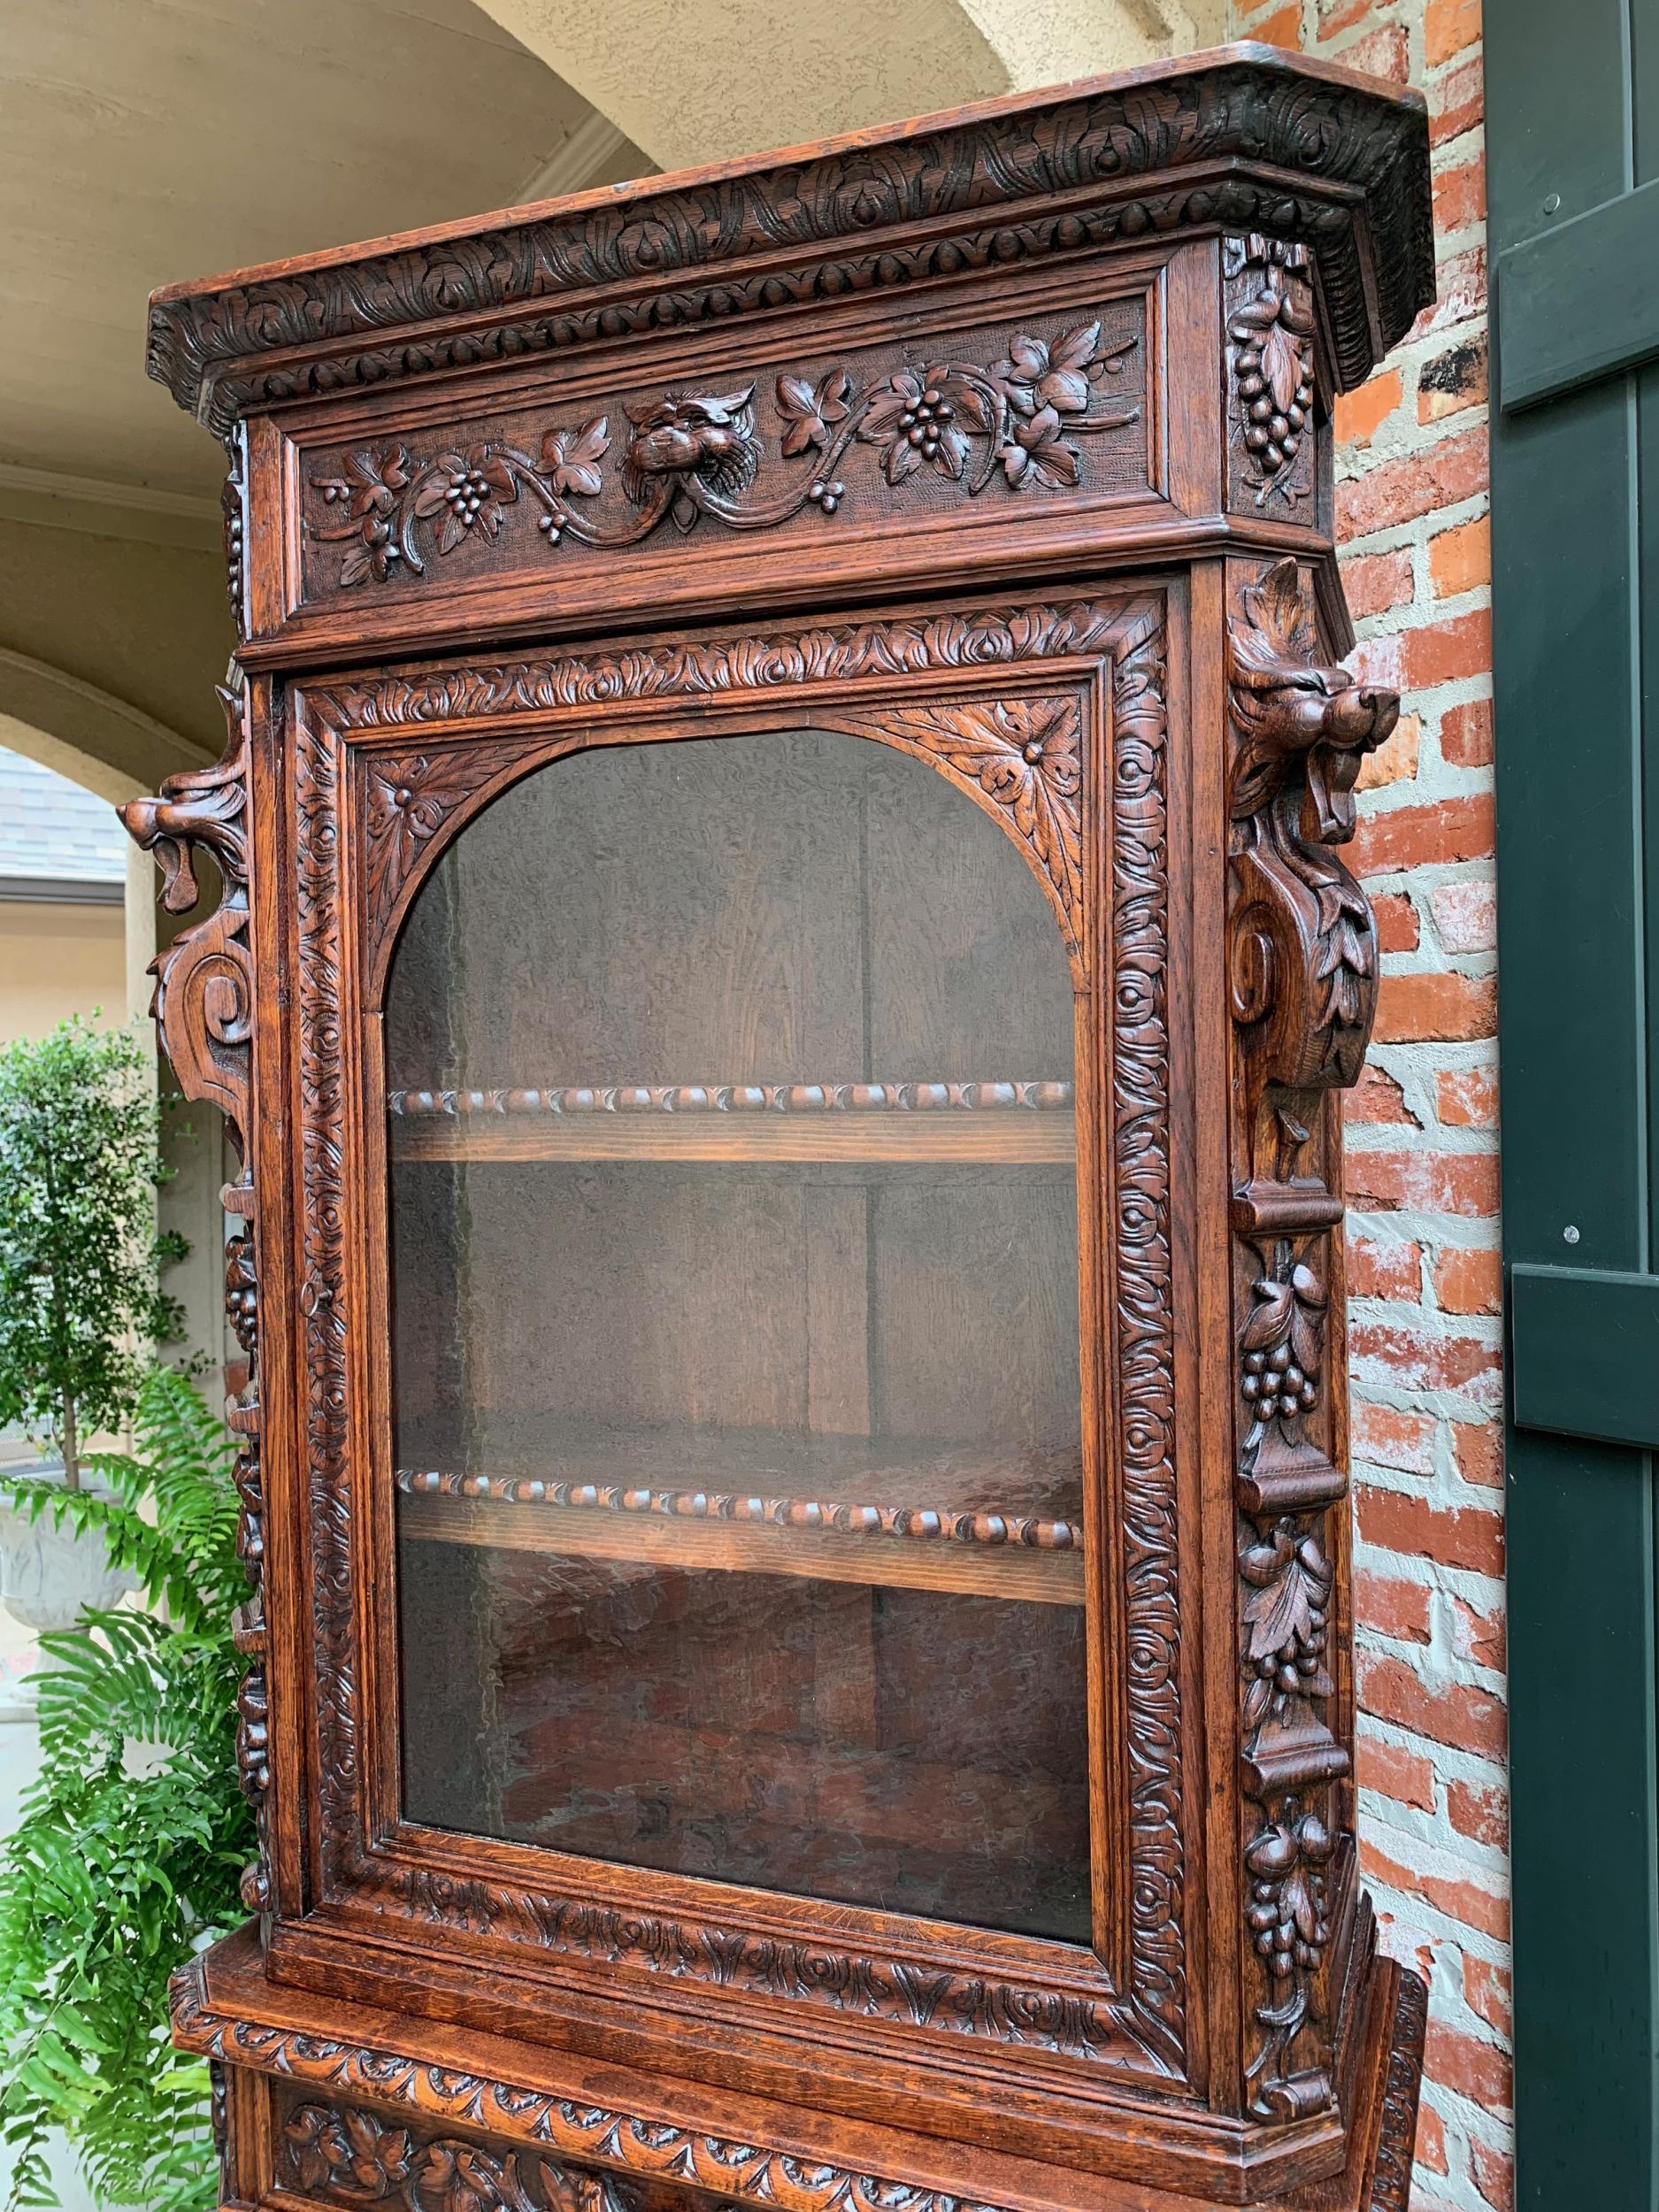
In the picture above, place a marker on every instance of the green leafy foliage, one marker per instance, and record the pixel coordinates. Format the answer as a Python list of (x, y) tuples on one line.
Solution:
[(132, 1839), (80, 1258)]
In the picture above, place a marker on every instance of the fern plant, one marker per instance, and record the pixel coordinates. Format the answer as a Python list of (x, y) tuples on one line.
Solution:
[(127, 1852)]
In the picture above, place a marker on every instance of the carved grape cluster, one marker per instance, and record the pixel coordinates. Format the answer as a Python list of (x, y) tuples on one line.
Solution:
[(1275, 1929), (1287, 1618), (1293, 1665), (468, 491), (923, 421), (1272, 363), (1281, 1346), (242, 1293), (1288, 1913), (1274, 436), (1273, 1384)]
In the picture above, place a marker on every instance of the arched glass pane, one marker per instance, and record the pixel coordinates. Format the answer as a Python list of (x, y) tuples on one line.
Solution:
[(735, 1391)]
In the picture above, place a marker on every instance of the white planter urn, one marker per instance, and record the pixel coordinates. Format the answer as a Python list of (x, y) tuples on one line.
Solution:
[(49, 1574)]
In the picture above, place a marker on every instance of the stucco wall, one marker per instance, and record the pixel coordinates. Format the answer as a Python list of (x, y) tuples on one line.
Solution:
[(57, 959)]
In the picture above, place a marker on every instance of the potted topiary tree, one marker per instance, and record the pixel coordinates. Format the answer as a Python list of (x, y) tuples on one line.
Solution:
[(81, 1300)]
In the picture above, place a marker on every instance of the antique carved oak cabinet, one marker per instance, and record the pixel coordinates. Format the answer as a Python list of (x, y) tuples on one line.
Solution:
[(783, 973)]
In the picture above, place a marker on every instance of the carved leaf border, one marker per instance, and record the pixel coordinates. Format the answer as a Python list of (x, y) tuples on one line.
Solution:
[(1145, 2026), (353, 2156)]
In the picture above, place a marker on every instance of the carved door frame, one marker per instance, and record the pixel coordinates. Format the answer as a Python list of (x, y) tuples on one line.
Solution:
[(373, 775)]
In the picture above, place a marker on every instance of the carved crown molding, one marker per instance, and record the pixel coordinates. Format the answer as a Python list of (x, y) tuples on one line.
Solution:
[(1245, 139)]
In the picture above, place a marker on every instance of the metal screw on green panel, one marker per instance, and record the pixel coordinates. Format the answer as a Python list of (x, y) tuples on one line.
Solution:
[(1570, 1234)]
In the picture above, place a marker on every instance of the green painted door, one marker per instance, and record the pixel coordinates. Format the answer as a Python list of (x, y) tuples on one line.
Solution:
[(1572, 118)]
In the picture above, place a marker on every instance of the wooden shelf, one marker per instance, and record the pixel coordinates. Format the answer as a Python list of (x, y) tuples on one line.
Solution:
[(1006, 1122), (955, 1542)]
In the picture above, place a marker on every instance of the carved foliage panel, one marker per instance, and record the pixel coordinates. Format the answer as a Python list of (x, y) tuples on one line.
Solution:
[(1022, 757), (352, 2155), (1302, 966), (1013, 417), (1272, 428)]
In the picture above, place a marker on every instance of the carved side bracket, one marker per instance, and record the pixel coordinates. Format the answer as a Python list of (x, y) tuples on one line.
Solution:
[(203, 1008), (1302, 979), (1301, 947), (203, 1000)]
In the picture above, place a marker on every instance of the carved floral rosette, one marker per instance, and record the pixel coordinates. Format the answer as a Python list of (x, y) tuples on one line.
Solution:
[(1302, 979), (204, 1010)]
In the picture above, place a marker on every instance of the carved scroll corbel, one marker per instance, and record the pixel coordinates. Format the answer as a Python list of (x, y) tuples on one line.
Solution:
[(1302, 981), (203, 1008), (1302, 949), (203, 1000)]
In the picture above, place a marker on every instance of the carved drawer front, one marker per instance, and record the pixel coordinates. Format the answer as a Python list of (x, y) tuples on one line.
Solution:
[(565, 487), (351, 2153)]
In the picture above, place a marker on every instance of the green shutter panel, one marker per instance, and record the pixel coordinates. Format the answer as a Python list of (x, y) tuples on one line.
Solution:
[(1572, 97)]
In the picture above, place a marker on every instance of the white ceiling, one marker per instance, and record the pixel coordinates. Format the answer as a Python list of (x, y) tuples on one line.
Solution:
[(145, 142)]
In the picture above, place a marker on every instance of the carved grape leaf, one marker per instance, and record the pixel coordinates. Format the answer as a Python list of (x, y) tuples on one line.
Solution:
[(1281, 364), (811, 412), (1290, 1582), (570, 458)]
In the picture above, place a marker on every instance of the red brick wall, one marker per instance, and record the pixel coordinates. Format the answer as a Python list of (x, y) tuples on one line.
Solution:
[(1422, 1130)]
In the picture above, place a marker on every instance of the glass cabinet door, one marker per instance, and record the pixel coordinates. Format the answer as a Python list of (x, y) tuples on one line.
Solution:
[(736, 1392)]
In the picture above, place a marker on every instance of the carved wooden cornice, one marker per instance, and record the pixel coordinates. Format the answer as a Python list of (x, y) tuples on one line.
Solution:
[(1244, 139)]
